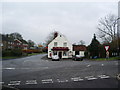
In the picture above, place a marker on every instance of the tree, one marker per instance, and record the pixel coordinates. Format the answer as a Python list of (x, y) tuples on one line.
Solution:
[(16, 36), (51, 36), (93, 48), (30, 43), (81, 42), (107, 28)]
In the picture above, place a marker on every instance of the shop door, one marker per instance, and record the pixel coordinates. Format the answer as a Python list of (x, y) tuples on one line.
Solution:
[(60, 55)]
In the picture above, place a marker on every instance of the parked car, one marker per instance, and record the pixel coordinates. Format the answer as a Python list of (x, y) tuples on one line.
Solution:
[(77, 57), (55, 58)]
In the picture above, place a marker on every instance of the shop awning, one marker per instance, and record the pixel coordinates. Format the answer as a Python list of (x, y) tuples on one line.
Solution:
[(60, 48)]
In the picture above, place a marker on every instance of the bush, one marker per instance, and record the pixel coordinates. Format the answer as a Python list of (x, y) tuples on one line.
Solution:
[(16, 52), (6, 53)]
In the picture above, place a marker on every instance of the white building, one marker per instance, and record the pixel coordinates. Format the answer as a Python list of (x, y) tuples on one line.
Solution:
[(61, 47), (79, 50)]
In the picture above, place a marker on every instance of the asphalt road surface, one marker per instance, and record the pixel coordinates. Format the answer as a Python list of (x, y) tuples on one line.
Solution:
[(34, 72)]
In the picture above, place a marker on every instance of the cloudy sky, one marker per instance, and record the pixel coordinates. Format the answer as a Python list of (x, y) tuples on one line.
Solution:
[(35, 20)]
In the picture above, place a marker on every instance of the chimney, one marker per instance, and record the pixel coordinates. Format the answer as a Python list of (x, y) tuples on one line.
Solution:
[(55, 34)]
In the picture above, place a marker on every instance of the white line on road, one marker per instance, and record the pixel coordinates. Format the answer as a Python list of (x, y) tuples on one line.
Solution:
[(24, 68), (14, 83), (47, 81), (102, 64), (90, 78), (61, 81), (77, 79), (8, 68), (88, 65), (31, 82), (103, 76), (1, 82)]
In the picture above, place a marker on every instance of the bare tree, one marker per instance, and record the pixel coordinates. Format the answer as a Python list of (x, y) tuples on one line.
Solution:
[(107, 28), (16, 35), (81, 42), (51, 36)]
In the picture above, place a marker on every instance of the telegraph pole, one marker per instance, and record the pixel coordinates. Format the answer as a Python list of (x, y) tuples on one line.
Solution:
[(118, 36)]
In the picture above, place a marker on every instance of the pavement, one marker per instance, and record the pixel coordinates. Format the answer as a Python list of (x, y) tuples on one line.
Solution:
[(36, 72)]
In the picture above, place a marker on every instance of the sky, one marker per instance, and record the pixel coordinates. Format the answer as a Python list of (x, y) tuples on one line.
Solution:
[(35, 20)]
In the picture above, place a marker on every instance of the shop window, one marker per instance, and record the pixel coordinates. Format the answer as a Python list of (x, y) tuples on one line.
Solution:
[(64, 53)]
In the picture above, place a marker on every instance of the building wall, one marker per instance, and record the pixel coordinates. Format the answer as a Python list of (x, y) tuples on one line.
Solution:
[(60, 40), (81, 53)]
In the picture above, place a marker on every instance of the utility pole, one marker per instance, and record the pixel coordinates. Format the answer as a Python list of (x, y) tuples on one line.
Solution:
[(118, 36)]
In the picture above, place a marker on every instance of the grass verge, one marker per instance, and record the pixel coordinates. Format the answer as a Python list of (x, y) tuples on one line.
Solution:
[(111, 58)]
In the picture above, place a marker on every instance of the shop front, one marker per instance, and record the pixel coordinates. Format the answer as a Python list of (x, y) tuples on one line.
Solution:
[(62, 52)]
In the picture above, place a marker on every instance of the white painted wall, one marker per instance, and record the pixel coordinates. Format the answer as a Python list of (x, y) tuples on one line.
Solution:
[(81, 53)]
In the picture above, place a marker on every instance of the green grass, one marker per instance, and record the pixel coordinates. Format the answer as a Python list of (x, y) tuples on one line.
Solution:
[(111, 58), (10, 57)]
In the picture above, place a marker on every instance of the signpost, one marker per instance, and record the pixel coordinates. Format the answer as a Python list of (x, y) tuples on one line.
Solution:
[(107, 52)]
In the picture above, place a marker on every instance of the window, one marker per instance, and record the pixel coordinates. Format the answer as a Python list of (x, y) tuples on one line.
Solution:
[(55, 53), (8, 42), (64, 53), (55, 44), (64, 44)]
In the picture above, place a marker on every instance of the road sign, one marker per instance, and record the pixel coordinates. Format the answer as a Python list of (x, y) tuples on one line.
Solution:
[(107, 47)]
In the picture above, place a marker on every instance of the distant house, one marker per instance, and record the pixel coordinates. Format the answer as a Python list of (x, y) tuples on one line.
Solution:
[(60, 46), (79, 50), (10, 43)]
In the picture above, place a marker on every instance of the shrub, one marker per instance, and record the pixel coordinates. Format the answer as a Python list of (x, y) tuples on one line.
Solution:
[(6, 53), (16, 52)]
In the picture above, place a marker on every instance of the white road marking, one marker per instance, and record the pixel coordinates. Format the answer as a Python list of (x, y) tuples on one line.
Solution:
[(14, 83), (90, 78), (31, 82), (24, 68), (102, 64), (9, 68), (103, 76), (88, 65), (47, 81), (1, 82), (61, 81), (77, 79)]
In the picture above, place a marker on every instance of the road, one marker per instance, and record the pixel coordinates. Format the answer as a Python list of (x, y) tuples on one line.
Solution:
[(34, 72)]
